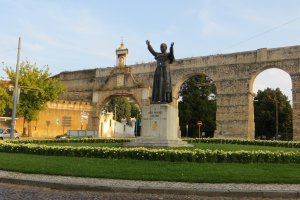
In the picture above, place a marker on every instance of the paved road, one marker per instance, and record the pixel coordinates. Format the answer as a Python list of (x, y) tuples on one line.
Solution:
[(13, 192), (10, 191)]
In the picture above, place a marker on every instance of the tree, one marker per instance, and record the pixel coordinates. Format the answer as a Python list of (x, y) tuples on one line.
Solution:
[(124, 108), (5, 97), (197, 102), (135, 111), (265, 114), (37, 88)]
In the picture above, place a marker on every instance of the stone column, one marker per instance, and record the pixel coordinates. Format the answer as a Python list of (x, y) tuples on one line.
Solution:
[(251, 124), (234, 117), (296, 106)]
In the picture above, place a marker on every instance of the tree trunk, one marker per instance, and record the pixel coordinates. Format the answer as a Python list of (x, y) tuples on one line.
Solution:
[(29, 128)]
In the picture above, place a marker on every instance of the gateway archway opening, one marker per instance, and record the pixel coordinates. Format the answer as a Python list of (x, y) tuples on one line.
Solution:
[(197, 102), (272, 105), (120, 117)]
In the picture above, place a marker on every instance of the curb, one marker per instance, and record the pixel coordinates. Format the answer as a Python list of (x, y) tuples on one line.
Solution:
[(159, 189)]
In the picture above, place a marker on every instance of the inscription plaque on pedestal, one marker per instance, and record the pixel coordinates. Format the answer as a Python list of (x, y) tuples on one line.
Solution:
[(160, 127)]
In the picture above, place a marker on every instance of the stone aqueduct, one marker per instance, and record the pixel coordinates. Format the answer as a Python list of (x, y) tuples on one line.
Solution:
[(233, 75)]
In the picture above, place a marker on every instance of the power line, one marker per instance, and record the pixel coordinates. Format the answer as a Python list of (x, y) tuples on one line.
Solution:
[(262, 33)]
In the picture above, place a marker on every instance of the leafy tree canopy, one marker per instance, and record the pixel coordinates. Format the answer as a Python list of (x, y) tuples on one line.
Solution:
[(198, 103), (124, 108), (265, 114), (37, 88), (5, 97)]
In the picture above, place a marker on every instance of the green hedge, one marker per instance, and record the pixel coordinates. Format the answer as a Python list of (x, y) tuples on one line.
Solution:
[(198, 155), (289, 144), (274, 143)]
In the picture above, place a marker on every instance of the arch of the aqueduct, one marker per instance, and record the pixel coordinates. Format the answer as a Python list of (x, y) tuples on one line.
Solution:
[(233, 75)]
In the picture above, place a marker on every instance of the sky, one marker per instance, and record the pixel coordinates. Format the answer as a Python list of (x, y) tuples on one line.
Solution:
[(73, 35)]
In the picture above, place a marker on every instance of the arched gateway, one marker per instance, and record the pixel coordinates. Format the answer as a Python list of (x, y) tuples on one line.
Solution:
[(233, 75)]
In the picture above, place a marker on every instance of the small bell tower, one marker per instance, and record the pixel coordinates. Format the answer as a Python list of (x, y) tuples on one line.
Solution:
[(122, 53)]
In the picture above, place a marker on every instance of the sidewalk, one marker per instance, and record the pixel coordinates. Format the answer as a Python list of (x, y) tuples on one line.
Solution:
[(111, 185)]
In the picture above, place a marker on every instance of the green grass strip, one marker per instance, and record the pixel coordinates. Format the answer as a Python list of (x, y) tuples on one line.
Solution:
[(239, 147), (274, 143), (151, 170), (203, 146)]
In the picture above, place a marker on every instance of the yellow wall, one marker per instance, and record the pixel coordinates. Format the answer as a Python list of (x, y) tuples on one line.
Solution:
[(53, 116)]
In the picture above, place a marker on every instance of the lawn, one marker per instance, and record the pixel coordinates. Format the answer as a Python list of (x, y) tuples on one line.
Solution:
[(156, 170), (211, 146), (151, 170), (238, 147)]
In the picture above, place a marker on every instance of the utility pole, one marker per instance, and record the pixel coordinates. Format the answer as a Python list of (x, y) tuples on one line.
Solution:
[(276, 116), (15, 94), (187, 130), (115, 122), (115, 112)]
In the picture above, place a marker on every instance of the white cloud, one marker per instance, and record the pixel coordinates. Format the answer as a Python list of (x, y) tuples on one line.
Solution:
[(210, 19)]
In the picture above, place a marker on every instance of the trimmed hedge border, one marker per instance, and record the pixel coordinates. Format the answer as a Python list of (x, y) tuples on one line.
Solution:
[(273, 143), (288, 144), (216, 156)]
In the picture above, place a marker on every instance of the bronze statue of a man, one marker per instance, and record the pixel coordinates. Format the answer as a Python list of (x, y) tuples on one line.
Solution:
[(162, 86)]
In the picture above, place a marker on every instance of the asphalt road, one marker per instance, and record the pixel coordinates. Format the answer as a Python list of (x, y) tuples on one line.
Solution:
[(24, 192)]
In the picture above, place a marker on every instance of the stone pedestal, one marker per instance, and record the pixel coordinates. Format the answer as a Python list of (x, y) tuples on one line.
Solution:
[(159, 127)]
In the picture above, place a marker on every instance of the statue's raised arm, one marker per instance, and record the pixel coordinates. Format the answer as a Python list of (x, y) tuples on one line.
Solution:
[(151, 49), (171, 54)]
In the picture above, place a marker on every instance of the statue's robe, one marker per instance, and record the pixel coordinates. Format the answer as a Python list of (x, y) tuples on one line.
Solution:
[(162, 85)]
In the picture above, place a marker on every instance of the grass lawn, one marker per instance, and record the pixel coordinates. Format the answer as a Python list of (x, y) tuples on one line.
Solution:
[(152, 170), (211, 146), (238, 147)]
